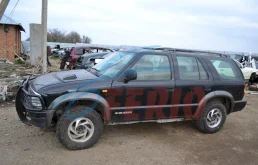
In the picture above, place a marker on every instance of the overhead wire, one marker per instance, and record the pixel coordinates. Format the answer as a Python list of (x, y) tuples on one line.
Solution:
[(12, 11)]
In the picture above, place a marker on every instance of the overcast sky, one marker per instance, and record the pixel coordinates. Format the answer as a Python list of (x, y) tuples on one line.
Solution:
[(228, 25)]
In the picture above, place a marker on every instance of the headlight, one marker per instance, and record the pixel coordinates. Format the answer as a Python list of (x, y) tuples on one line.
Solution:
[(35, 101)]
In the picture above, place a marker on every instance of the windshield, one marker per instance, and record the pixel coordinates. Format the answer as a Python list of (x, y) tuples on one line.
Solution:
[(111, 65)]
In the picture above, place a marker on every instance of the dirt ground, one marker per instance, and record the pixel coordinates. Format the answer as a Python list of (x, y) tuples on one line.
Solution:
[(148, 143)]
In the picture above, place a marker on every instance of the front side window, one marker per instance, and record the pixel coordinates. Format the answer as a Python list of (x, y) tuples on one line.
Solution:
[(153, 67), (191, 68), (224, 69)]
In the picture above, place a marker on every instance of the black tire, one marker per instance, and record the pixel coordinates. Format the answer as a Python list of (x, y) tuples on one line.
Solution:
[(64, 122), (252, 78), (202, 123)]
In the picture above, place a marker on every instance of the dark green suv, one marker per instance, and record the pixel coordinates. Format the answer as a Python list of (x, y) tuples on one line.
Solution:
[(132, 86)]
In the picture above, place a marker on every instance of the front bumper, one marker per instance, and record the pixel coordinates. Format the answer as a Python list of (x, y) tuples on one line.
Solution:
[(239, 105), (40, 118)]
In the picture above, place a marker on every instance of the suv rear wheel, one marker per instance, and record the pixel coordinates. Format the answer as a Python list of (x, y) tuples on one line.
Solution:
[(79, 132), (213, 117)]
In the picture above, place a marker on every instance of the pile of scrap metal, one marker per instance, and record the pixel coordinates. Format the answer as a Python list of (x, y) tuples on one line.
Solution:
[(4, 60), (59, 52), (69, 59)]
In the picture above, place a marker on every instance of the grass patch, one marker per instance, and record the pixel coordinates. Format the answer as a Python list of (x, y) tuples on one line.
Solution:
[(19, 62), (54, 57)]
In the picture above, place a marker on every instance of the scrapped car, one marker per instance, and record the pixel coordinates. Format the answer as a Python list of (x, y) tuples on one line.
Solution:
[(77, 52), (248, 67), (88, 60), (54, 52), (132, 86), (250, 74)]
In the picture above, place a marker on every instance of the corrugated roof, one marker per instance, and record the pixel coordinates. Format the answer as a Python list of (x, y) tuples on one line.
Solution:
[(10, 21)]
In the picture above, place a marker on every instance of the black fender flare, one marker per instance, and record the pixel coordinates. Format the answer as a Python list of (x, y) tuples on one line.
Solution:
[(83, 96), (212, 95)]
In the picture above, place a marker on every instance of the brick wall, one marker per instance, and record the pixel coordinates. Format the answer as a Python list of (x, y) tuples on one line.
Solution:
[(10, 43)]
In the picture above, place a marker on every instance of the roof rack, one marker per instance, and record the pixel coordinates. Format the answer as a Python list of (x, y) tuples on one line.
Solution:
[(188, 50)]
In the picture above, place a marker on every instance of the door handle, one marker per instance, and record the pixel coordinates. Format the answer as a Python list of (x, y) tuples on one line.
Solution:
[(207, 88), (170, 89)]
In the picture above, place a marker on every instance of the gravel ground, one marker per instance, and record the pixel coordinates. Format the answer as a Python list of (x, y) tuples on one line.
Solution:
[(148, 143)]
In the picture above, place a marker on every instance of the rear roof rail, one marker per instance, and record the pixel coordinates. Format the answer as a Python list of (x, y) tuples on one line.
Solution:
[(189, 51)]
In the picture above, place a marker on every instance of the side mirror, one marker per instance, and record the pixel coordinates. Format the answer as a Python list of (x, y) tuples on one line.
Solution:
[(130, 75)]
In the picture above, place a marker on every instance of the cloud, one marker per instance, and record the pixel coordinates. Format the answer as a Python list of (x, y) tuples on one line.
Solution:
[(201, 24)]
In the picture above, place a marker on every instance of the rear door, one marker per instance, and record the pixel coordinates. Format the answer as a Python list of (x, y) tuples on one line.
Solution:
[(193, 81)]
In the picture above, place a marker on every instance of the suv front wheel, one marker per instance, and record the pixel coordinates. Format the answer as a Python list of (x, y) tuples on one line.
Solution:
[(213, 117), (77, 131)]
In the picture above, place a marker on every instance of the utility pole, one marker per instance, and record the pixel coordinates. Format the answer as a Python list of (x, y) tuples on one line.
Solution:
[(3, 6), (44, 33)]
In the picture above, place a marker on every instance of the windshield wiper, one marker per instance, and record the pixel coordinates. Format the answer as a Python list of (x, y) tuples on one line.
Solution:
[(95, 71), (92, 71)]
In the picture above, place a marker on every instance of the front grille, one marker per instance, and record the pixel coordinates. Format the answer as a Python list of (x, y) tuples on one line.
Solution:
[(31, 102)]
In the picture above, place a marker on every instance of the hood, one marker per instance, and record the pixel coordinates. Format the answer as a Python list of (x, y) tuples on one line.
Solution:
[(55, 78)]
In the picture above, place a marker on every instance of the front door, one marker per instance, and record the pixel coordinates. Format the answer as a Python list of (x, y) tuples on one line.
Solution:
[(149, 96)]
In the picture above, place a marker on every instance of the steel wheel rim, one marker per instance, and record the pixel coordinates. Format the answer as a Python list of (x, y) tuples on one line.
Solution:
[(81, 130), (214, 118)]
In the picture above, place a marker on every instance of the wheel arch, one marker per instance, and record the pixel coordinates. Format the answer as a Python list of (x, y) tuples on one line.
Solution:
[(97, 102), (252, 76), (225, 97)]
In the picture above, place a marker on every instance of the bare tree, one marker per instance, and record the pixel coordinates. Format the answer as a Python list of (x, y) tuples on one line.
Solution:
[(86, 39), (73, 37), (56, 35)]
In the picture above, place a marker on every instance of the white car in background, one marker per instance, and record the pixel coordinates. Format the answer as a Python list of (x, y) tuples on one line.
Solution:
[(249, 73)]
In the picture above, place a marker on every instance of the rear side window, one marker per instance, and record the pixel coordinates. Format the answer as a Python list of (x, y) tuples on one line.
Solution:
[(191, 68), (225, 69)]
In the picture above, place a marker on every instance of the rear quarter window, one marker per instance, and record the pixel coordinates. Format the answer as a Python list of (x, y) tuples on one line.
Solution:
[(226, 69)]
